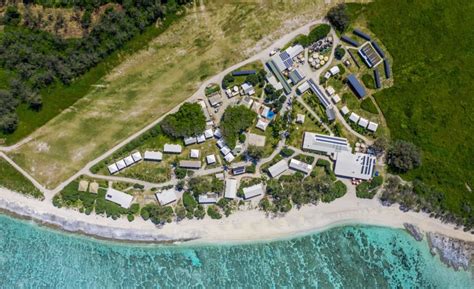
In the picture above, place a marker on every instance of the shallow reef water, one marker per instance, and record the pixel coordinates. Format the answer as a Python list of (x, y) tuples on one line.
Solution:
[(354, 256)]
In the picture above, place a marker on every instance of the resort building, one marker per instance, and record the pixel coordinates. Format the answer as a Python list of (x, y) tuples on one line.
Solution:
[(253, 191), (208, 133), (238, 170), (210, 159), (373, 126), (229, 157), (194, 165), (194, 154), (166, 197), (207, 199), (128, 161), (112, 168), (137, 156), (344, 110), (324, 143), (225, 150), (354, 117), (172, 149), (356, 166), (323, 99), (120, 198), (120, 165), (217, 133), (356, 86), (201, 138), (369, 55), (363, 122), (230, 188), (336, 99), (153, 156), (300, 166), (262, 124), (189, 141), (300, 118), (278, 168), (248, 89)]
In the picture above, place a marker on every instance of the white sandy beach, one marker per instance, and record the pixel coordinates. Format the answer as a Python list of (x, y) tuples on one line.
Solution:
[(242, 226)]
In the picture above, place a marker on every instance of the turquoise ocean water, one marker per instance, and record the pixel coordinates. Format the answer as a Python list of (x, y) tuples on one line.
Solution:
[(343, 257)]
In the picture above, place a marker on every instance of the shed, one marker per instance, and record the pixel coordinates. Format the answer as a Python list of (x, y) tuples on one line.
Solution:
[(201, 138), (373, 126), (354, 117), (194, 165), (336, 98), (172, 149), (330, 90), (363, 122), (356, 86), (153, 156), (208, 133), (137, 156), (210, 159), (194, 153), (256, 140), (230, 188), (120, 198), (334, 70), (207, 199), (166, 197), (300, 118), (278, 168), (120, 165), (113, 168), (253, 191), (225, 150), (344, 110), (129, 161)]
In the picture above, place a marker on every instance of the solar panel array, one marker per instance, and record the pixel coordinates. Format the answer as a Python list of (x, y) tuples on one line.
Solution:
[(322, 98), (350, 41), (285, 57), (387, 68), (361, 34), (379, 50), (370, 55), (368, 164), (377, 78)]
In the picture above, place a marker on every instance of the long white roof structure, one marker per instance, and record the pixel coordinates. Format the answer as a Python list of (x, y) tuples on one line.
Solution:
[(120, 198), (359, 166), (230, 188), (172, 148), (253, 191), (278, 168), (153, 156), (324, 143), (166, 197), (300, 166)]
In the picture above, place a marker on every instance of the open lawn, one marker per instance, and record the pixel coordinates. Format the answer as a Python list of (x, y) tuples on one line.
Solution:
[(153, 81), (11, 179), (431, 103)]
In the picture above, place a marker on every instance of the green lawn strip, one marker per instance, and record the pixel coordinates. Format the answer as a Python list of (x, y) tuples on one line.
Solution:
[(58, 97), (13, 180)]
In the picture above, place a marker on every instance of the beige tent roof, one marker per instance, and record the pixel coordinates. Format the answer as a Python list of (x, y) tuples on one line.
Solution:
[(83, 186), (94, 187)]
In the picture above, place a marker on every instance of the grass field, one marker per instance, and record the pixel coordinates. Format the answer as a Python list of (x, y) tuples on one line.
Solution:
[(11, 179), (431, 103), (153, 81)]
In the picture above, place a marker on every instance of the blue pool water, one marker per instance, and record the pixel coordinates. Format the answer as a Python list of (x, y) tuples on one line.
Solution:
[(343, 257)]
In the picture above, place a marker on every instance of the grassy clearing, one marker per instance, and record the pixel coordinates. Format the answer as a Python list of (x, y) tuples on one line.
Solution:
[(431, 102), (297, 130), (153, 81), (11, 179)]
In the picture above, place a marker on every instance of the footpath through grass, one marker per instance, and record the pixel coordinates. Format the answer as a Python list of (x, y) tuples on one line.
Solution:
[(13, 180), (431, 103)]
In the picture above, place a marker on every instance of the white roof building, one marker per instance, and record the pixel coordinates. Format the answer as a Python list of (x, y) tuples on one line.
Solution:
[(363, 122), (262, 124), (358, 166), (120, 198), (153, 156), (248, 88), (300, 118), (336, 98), (217, 133), (220, 143), (128, 161), (208, 133), (172, 148), (195, 165), (354, 117), (225, 150), (229, 157), (113, 168), (207, 199), (324, 143), (230, 188), (334, 70), (137, 156), (344, 110), (330, 90), (303, 88), (294, 50), (194, 154), (166, 197), (210, 159), (201, 138), (120, 165), (373, 126), (300, 166), (278, 168), (253, 191), (189, 141)]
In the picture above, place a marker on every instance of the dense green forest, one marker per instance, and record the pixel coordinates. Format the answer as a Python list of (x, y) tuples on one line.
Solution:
[(32, 59), (431, 102)]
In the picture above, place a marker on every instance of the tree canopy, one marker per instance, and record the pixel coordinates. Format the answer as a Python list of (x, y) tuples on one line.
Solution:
[(338, 17), (403, 156), (235, 120), (188, 121)]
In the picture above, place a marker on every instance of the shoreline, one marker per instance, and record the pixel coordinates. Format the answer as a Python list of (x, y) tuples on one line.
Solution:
[(241, 227)]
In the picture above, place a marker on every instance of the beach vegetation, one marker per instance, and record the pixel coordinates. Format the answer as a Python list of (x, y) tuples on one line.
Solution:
[(368, 189), (213, 212), (13, 180), (403, 156), (158, 214)]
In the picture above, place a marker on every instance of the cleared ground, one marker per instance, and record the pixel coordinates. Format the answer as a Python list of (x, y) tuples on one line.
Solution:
[(152, 82)]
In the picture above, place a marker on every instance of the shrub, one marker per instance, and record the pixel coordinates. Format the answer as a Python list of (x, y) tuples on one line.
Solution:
[(213, 212), (339, 52), (403, 156), (189, 202), (368, 81), (130, 217), (242, 138), (338, 17), (180, 173), (199, 213), (251, 169), (286, 152)]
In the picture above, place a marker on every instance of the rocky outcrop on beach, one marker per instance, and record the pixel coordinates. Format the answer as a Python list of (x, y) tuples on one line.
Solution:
[(414, 231), (455, 253)]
